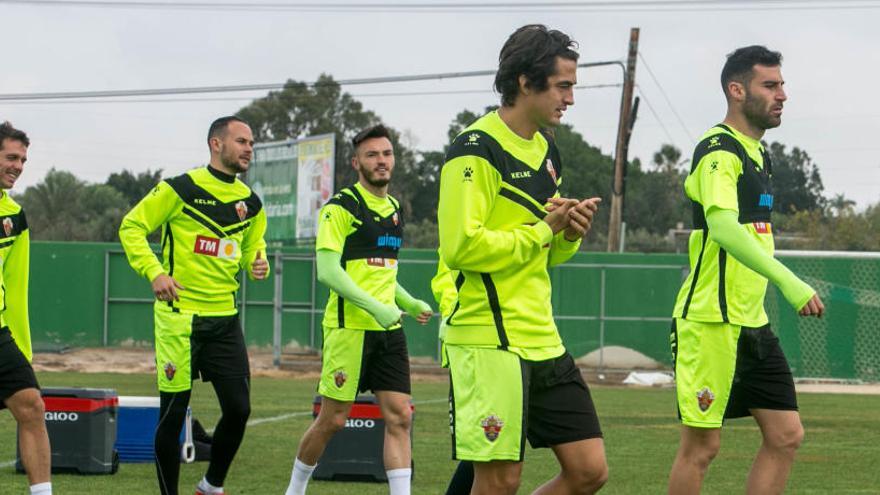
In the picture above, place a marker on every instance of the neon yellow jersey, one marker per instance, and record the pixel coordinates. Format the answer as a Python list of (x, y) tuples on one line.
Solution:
[(730, 171), (212, 226), (494, 189), (15, 259), (368, 231)]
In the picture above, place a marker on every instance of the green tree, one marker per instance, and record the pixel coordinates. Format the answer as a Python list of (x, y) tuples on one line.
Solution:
[(134, 187), (797, 185), (300, 110), (64, 208)]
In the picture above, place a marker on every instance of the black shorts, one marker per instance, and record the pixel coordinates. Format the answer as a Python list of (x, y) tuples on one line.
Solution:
[(762, 379), (16, 373), (218, 348), (385, 363), (560, 407)]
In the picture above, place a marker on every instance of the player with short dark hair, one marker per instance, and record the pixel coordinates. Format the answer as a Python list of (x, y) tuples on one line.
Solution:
[(19, 390), (212, 227), (502, 224), (728, 363), (359, 236)]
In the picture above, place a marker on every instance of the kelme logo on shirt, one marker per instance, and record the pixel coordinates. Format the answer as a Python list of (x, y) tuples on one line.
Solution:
[(492, 425), (472, 139), (468, 174), (714, 141), (521, 175), (220, 248)]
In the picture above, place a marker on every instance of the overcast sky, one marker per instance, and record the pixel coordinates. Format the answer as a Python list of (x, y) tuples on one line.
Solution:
[(831, 67)]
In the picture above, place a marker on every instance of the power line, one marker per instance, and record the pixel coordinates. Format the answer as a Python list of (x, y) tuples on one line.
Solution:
[(68, 95), (687, 132), (656, 116), (247, 98), (487, 7)]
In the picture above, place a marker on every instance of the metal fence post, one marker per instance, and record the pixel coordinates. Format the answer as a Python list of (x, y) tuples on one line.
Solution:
[(602, 325), (106, 295), (277, 307)]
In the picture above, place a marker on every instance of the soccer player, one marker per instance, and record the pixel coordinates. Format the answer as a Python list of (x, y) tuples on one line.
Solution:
[(502, 224), (359, 236), (445, 293), (728, 363), (19, 390), (212, 227)]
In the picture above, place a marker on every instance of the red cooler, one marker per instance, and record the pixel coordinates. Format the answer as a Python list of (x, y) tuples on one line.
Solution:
[(82, 429), (355, 452)]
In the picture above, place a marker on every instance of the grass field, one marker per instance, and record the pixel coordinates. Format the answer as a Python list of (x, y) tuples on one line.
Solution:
[(840, 455)]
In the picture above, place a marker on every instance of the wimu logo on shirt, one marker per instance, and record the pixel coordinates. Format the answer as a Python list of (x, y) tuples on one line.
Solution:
[(391, 241), (766, 200)]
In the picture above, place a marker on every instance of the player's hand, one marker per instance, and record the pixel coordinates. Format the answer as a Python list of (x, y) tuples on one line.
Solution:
[(165, 288), (422, 312), (388, 315), (260, 267), (557, 217), (581, 218), (814, 307)]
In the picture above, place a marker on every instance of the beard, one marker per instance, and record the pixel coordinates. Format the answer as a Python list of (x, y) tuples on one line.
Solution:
[(758, 116), (232, 163), (371, 179)]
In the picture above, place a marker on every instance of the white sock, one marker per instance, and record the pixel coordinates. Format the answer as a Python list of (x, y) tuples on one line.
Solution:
[(299, 478), (399, 481), (42, 488), (208, 488)]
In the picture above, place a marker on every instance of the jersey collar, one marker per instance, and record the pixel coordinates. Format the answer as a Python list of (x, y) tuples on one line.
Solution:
[(229, 179)]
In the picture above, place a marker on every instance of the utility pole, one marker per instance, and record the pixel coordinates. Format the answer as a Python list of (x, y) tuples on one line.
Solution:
[(624, 129)]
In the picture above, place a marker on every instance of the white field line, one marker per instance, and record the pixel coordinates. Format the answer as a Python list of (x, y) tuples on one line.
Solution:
[(272, 419)]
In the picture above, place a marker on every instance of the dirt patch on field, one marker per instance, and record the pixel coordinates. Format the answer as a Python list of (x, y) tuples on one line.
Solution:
[(142, 360)]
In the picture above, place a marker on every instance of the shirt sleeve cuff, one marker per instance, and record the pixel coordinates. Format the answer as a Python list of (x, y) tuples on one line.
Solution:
[(154, 272), (545, 233)]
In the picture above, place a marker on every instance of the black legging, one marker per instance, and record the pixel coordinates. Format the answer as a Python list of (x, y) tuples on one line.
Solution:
[(462, 479), (234, 397)]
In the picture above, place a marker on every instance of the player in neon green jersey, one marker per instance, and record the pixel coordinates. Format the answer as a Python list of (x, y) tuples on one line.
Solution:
[(212, 227), (728, 363), (502, 224), (19, 390), (359, 237)]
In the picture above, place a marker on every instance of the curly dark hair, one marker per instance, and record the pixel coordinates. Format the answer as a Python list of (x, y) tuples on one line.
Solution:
[(9, 132), (740, 64), (531, 51)]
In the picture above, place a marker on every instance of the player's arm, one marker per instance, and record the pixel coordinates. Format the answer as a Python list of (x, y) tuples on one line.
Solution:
[(155, 209), (15, 278), (469, 186), (253, 248), (562, 249), (418, 309), (335, 225), (331, 274), (443, 288), (147, 216), (725, 229), (718, 175)]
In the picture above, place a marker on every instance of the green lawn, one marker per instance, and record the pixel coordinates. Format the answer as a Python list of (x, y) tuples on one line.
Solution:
[(840, 454)]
